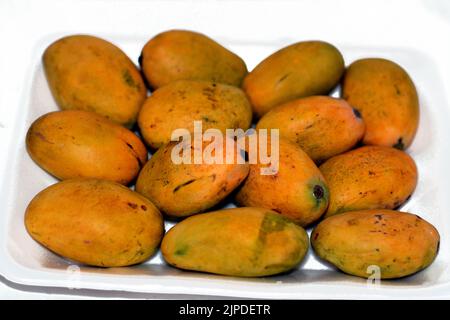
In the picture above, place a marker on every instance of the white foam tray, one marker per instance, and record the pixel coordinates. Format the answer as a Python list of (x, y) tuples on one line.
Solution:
[(414, 34)]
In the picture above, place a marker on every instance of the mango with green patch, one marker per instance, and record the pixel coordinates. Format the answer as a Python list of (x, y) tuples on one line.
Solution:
[(89, 73), (370, 177), (244, 242), (178, 104), (359, 243), (75, 143), (297, 190), (386, 97), (183, 189), (186, 55), (95, 222), (302, 69), (322, 126)]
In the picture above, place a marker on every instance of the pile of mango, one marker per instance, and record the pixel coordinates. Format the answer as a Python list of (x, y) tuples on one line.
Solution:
[(343, 169)]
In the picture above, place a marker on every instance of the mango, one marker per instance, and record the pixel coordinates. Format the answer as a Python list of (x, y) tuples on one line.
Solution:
[(179, 104), (302, 69), (92, 74), (75, 143), (297, 190), (95, 222), (182, 189), (322, 126), (244, 242), (384, 94), (369, 243), (370, 177), (186, 55)]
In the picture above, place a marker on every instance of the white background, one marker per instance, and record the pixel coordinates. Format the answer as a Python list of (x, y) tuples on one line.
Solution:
[(413, 23)]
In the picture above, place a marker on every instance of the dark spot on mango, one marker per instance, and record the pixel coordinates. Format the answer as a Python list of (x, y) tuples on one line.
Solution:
[(273, 176), (132, 205), (273, 223), (144, 207), (223, 189), (181, 251), (134, 154), (42, 137), (316, 236), (399, 145), (128, 79), (318, 192), (283, 77), (208, 120), (183, 185)]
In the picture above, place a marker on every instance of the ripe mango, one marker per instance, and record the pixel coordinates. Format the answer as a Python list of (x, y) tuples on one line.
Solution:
[(322, 126), (95, 222), (92, 74), (186, 55), (360, 243), (302, 69), (297, 191), (370, 177), (386, 97), (244, 242)]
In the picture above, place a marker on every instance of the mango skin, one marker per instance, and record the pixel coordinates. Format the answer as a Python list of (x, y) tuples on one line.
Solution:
[(386, 97), (298, 191), (217, 105), (296, 71), (370, 177), (322, 126), (262, 243), (75, 143), (89, 73), (186, 55), (95, 222), (399, 243), (180, 190)]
